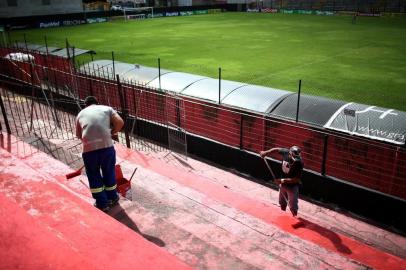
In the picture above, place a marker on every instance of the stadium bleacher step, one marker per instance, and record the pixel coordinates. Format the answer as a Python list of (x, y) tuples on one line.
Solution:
[(314, 233), (171, 212), (62, 231), (182, 216)]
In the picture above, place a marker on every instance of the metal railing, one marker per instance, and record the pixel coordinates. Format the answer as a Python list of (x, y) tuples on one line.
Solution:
[(52, 99)]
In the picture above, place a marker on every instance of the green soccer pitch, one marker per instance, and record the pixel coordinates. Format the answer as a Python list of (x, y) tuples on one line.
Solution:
[(363, 62)]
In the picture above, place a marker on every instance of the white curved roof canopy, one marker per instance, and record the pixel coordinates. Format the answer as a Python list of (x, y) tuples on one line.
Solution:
[(255, 98), (62, 52), (208, 89), (356, 119), (127, 72), (142, 74), (175, 81), (99, 68), (251, 97), (371, 122)]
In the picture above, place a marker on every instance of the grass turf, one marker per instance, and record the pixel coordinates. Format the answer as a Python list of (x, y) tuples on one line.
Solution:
[(363, 62)]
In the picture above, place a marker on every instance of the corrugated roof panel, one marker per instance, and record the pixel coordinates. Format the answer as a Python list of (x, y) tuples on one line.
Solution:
[(50, 49), (324, 107), (209, 89), (99, 68), (28, 46), (255, 98), (36, 47), (121, 68), (143, 74), (175, 81), (370, 121)]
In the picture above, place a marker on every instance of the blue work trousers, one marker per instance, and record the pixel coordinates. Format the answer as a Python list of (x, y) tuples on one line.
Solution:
[(100, 170)]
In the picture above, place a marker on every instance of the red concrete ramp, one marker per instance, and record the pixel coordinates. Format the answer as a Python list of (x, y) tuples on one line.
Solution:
[(27, 244), (46, 226)]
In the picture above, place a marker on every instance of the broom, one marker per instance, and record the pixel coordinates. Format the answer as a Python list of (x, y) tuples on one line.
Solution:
[(75, 173)]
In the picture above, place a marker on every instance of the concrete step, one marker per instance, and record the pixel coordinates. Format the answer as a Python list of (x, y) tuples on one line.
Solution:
[(178, 214), (28, 244), (59, 228), (307, 231), (204, 216)]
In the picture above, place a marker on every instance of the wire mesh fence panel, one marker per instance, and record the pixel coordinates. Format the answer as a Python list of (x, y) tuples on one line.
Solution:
[(253, 133), (280, 134), (176, 119), (366, 164), (146, 115), (40, 125), (212, 121)]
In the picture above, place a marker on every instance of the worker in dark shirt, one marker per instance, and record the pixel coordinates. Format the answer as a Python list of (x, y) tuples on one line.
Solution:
[(292, 167)]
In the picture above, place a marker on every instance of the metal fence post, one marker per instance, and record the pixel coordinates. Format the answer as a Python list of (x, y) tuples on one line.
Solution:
[(124, 111), (114, 66), (46, 44), (67, 49), (298, 100), (323, 162), (3, 111), (159, 73), (219, 85), (90, 84), (241, 130), (73, 58)]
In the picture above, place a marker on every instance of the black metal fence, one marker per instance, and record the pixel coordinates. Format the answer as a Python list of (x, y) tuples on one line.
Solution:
[(41, 101)]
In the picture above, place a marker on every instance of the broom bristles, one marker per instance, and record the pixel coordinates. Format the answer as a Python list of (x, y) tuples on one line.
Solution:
[(74, 174)]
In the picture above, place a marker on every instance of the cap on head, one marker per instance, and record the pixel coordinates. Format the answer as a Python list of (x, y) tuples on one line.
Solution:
[(295, 151), (91, 100)]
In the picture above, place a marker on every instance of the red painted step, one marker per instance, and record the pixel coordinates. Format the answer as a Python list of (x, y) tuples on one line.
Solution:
[(304, 229), (44, 226)]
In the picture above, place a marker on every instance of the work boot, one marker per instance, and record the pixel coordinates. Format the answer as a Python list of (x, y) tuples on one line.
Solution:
[(114, 202), (104, 209)]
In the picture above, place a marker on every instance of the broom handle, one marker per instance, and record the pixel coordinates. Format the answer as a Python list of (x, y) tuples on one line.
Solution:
[(133, 174), (269, 168)]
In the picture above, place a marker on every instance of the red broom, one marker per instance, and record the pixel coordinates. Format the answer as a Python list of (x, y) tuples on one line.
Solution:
[(75, 173)]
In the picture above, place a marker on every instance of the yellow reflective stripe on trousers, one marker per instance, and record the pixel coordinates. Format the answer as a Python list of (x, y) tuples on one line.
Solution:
[(111, 188), (96, 190)]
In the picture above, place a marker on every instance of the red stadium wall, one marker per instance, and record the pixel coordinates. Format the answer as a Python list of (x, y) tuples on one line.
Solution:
[(253, 135), (285, 134), (367, 165), (211, 121)]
